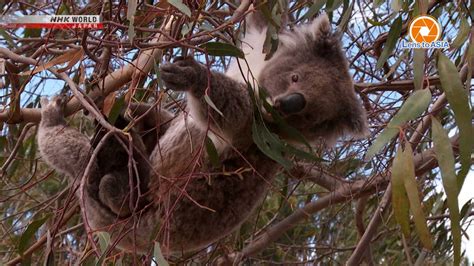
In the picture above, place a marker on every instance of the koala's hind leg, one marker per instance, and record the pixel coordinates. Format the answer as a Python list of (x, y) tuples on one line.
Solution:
[(114, 191)]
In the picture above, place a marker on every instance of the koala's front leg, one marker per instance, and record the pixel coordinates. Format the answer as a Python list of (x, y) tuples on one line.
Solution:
[(230, 97)]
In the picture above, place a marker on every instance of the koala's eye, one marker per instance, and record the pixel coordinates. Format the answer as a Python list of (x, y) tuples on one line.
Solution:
[(294, 78)]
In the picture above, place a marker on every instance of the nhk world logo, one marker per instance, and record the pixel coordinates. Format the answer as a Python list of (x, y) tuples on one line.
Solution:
[(424, 32), (51, 22)]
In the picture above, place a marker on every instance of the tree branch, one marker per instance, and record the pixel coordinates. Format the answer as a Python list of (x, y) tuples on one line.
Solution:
[(112, 82)]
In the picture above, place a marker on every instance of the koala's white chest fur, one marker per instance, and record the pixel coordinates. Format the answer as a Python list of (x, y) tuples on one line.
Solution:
[(254, 62)]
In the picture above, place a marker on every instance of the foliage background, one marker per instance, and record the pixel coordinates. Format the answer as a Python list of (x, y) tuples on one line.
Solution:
[(330, 212)]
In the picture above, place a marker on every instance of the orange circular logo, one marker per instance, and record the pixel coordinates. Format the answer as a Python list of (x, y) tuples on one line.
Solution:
[(424, 29)]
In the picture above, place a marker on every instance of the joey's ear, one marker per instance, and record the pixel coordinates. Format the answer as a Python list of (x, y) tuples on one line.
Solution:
[(44, 101), (320, 26), (59, 101)]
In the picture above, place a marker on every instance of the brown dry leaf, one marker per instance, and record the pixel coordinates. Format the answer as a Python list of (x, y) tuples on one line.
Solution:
[(108, 103), (71, 56), (82, 74), (75, 57)]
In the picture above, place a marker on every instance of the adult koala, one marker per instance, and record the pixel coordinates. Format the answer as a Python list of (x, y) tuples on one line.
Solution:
[(189, 203)]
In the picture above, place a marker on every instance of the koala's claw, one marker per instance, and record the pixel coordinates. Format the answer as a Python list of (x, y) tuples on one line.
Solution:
[(181, 75)]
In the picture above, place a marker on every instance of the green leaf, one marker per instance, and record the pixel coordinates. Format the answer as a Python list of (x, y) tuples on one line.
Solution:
[(332, 5), (377, 23), (283, 126), (401, 205), (418, 67), (411, 188), (420, 8), (64, 9), (222, 49), (212, 105), (49, 261), (445, 157), (269, 143), (7, 37), (158, 255), (284, 129), (186, 28), (466, 210), (392, 38), (411, 109), (377, 3), (104, 240), (181, 7), (314, 9), (212, 152), (462, 33), (131, 9), (345, 18), (29, 33), (394, 67), (29, 233), (396, 5), (459, 102), (116, 109)]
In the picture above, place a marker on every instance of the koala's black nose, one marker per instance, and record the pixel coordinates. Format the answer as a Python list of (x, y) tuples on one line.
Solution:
[(291, 104)]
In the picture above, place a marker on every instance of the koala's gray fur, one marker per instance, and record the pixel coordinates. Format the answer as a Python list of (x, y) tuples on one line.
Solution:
[(188, 203)]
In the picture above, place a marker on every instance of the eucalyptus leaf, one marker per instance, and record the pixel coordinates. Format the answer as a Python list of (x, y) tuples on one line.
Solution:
[(29, 233), (212, 105), (418, 68), (104, 240), (396, 5), (222, 49), (314, 9), (116, 109), (180, 6), (6, 36), (411, 187), (212, 152), (393, 36), (459, 102), (131, 9), (414, 106), (400, 203), (463, 33), (345, 18), (446, 162), (158, 255)]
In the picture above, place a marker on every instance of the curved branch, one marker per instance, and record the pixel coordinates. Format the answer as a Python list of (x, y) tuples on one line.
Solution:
[(43, 239), (345, 193), (364, 242), (423, 162)]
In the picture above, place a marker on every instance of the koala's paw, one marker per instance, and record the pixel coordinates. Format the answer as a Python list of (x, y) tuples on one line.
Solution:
[(182, 75), (114, 192)]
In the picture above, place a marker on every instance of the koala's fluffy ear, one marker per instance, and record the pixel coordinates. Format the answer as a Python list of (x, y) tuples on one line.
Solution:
[(321, 27), (59, 101), (324, 41)]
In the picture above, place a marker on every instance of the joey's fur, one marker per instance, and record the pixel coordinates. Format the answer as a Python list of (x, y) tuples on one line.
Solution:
[(184, 202)]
